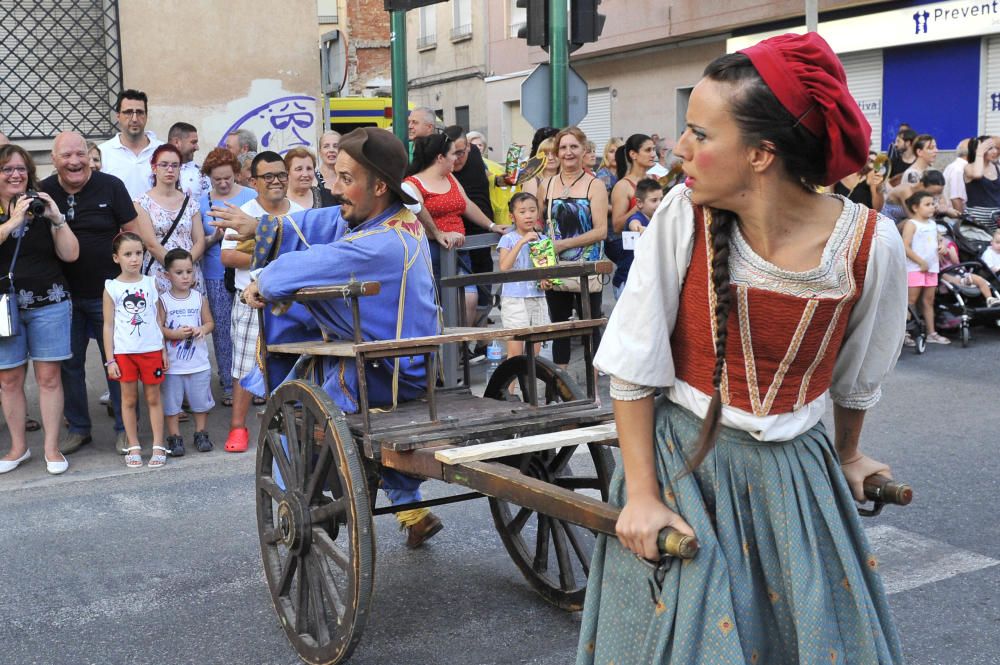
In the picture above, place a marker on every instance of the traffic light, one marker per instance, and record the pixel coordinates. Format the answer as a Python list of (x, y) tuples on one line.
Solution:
[(585, 23), (536, 25)]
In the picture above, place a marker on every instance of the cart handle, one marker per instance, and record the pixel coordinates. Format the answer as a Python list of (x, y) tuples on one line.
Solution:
[(352, 289), (878, 488), (672, 542), (567, 269)]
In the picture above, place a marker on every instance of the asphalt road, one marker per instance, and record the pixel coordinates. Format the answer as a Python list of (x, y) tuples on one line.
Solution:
[(110, 566)]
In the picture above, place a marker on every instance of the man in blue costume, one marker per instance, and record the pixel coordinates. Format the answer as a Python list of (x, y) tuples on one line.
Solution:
[(383, 242)]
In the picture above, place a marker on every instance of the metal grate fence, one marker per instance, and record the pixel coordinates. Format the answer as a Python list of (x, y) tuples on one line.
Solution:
[(62, 67)]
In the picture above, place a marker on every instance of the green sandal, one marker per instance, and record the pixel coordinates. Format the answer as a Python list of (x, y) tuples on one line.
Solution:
[(158, 459), (133, 460)]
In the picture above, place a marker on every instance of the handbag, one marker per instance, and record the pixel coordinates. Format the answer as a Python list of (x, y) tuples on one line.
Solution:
[(10, 315), (170, 232), (569, 284)]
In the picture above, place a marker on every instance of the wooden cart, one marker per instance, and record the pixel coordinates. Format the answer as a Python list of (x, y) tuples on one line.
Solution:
[(318, 469)]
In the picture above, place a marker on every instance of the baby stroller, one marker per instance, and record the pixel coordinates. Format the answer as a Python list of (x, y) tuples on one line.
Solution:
[(916, 331), (959, 297), (972, 238)]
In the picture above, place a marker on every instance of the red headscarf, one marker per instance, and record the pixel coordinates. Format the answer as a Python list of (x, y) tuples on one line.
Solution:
[(807, 78)]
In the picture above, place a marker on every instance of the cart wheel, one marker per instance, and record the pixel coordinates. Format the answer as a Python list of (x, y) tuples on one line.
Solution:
[(558, 386), (966, 336), (554, 556), (315, 523), (921, 343)]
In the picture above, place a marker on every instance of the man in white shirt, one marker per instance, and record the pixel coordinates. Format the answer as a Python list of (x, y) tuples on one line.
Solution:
[(954, 177), (127, 154), (184, 137), (270, 178)]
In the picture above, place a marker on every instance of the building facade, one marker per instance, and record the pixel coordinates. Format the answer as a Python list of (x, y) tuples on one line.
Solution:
[(229, 65), (447, 61), (932, 65), (640, 73)]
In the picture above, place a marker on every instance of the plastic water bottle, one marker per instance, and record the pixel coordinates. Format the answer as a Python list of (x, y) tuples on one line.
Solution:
[(494, 354)]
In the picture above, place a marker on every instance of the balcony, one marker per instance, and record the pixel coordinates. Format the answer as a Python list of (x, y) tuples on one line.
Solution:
[(461, 32), (425, 42)]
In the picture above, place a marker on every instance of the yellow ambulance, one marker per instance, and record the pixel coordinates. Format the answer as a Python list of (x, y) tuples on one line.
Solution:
[(347, 113)]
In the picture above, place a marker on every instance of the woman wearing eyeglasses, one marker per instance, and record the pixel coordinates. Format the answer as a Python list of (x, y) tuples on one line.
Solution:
[(44, 311), (163, 225)]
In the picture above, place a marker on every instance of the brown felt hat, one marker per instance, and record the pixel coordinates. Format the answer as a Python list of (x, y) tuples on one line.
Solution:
[(381, 153)]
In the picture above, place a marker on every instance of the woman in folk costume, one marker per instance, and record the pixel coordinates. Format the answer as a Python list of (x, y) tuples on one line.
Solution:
[(752, 298)]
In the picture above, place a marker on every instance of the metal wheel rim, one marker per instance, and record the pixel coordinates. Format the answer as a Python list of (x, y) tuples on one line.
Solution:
[(316, 537)]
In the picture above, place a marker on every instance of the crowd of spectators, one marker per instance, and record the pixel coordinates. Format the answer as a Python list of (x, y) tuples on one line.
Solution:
[(583, 197)]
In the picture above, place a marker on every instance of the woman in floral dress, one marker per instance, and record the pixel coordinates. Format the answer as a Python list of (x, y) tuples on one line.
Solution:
[(157, 210)]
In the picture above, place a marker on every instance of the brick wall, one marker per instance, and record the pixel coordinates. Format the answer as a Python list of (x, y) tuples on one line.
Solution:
[(367, 26)]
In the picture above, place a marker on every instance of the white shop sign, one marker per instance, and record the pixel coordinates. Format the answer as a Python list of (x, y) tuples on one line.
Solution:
[(898, 27)]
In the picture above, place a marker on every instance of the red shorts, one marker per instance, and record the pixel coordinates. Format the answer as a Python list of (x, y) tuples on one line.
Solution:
[(146, 367)]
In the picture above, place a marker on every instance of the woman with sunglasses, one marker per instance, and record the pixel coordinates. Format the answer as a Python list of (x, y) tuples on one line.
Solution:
[(33, 242), (163, 225)]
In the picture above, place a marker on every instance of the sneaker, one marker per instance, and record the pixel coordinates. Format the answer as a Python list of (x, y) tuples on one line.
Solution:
[(202, 442), (935, 338), (908, 341), (477, 354), (992, 301), (72, 442), (105, 397), (175, 446)]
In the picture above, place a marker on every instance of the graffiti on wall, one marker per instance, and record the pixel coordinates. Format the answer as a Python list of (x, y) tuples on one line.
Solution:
[(280, 124), (281, 119)]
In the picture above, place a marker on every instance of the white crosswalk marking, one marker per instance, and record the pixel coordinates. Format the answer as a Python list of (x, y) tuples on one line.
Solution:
[(909, 560)]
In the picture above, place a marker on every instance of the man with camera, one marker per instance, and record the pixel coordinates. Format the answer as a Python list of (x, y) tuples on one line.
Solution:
[(34, 304), (97, 208)]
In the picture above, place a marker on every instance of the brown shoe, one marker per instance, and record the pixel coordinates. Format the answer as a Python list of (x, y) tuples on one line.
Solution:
[(422, 531)]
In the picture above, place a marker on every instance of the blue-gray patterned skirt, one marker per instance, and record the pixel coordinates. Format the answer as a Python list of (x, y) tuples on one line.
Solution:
[(784, 575)]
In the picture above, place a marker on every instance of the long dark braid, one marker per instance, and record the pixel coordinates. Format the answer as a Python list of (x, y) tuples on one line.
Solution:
[(720, 230)]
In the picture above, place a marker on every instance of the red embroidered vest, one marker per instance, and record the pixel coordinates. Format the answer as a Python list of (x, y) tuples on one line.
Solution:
[(781, 348)]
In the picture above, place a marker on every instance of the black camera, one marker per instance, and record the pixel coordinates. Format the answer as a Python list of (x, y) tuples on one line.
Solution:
[(37, 205)]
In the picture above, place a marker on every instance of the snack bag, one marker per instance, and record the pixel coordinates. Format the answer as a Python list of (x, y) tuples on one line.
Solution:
[(543, 253), (881, 164), (512, 163)]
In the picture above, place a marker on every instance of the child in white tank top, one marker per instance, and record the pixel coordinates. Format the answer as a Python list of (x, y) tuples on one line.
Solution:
[(920, 241), (186, 320)]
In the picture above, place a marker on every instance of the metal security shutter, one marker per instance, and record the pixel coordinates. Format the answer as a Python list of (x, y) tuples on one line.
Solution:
[(991, 88), (597, 123), (864, 79)]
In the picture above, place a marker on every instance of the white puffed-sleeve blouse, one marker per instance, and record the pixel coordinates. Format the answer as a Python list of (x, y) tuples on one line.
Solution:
[(635, 348)]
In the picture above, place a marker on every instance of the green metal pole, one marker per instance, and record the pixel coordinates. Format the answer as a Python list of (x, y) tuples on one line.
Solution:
[(559, 60), (400, 106)]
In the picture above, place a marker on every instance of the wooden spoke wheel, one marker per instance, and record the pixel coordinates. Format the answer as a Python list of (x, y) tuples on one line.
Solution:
[(553, 555), (552, 383), (315, 523)]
